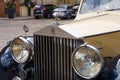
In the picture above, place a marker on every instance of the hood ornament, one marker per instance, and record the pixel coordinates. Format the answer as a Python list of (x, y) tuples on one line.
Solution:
[(55, 24), (26, 29)]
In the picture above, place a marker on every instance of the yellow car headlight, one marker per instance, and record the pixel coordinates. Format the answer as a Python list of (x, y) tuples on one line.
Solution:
[(87, 61), (20, 49)]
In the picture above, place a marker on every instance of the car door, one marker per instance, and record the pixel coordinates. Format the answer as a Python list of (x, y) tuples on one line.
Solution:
[(69, 9)]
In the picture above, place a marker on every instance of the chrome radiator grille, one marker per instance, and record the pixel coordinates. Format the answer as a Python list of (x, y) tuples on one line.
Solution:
[(52, 58)]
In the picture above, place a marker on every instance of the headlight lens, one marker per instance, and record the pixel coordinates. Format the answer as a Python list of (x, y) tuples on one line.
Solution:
[(87, 61), (21, 49)]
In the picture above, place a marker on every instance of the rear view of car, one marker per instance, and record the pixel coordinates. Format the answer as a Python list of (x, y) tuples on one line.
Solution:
[(62, 11), (43, 11)]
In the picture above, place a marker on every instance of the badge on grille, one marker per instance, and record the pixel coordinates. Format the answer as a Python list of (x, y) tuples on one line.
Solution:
[(53, 30)]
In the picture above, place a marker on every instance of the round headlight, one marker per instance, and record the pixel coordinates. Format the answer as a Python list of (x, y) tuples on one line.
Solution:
[(87, 61), (21, 49)]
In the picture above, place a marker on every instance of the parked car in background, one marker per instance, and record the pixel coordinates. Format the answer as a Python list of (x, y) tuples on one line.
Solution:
[(43, 10), (74, 10), (63, 11)]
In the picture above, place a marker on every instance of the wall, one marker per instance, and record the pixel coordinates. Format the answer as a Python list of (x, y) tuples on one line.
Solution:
[(58, 1), (2, 10), (23, 11)]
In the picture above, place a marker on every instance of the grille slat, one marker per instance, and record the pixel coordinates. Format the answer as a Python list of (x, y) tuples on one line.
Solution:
[(49, 52), (56, 57), (68, 59), (44, 52), (64, 53), (61, 60), (41, 55), (38, 67), (53, 64), (46, 41), (52, 58), (58, 42), (35, 62)]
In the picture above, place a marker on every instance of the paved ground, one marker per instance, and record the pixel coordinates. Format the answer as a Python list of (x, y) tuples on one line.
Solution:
[(11, 28)]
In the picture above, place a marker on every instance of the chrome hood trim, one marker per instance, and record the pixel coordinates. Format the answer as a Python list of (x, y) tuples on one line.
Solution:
[(55, 31)]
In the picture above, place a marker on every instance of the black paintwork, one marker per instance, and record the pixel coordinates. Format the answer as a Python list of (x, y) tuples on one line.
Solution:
[(9, 68)]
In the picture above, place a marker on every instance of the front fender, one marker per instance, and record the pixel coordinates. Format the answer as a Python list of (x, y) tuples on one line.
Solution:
[(111, 70), (115, 68), (9, 67), (7, 64), (6, 58)]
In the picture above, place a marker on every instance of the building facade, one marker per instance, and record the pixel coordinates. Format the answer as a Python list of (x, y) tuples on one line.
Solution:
[(21, 9), (2, 8), (58, 2)]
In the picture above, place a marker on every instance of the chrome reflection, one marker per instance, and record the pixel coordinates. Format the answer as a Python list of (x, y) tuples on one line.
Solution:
[(16, 78), (21, 49), (87, 61)]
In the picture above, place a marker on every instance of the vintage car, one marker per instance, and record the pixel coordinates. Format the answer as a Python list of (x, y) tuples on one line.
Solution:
[(87, 48)]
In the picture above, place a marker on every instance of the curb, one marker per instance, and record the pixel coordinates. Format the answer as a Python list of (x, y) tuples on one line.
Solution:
[(17, 18)]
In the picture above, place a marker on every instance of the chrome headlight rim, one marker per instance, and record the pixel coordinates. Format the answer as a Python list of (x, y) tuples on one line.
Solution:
[(29, 48), (96, 51)]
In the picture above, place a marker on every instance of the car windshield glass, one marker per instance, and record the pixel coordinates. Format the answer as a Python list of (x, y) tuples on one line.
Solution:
[(99, 5), (62, 6)]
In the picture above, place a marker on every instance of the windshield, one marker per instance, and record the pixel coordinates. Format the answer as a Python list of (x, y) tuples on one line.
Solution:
[(62, 6), (99, 5)]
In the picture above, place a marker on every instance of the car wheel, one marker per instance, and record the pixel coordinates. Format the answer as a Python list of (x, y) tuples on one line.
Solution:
[(48, 16), (69, 16), (36, 17)]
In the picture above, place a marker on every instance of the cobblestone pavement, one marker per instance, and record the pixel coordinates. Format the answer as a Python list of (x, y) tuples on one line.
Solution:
[(11, 28)]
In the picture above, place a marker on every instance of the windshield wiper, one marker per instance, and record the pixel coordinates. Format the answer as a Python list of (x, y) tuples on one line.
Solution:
[(113, 9)]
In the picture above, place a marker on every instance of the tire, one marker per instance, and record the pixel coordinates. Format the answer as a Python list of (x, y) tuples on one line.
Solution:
[(48, 15), (68, 16), (36, 17)]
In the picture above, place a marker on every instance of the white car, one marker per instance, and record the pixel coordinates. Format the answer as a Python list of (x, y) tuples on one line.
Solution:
[(63, 11)]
